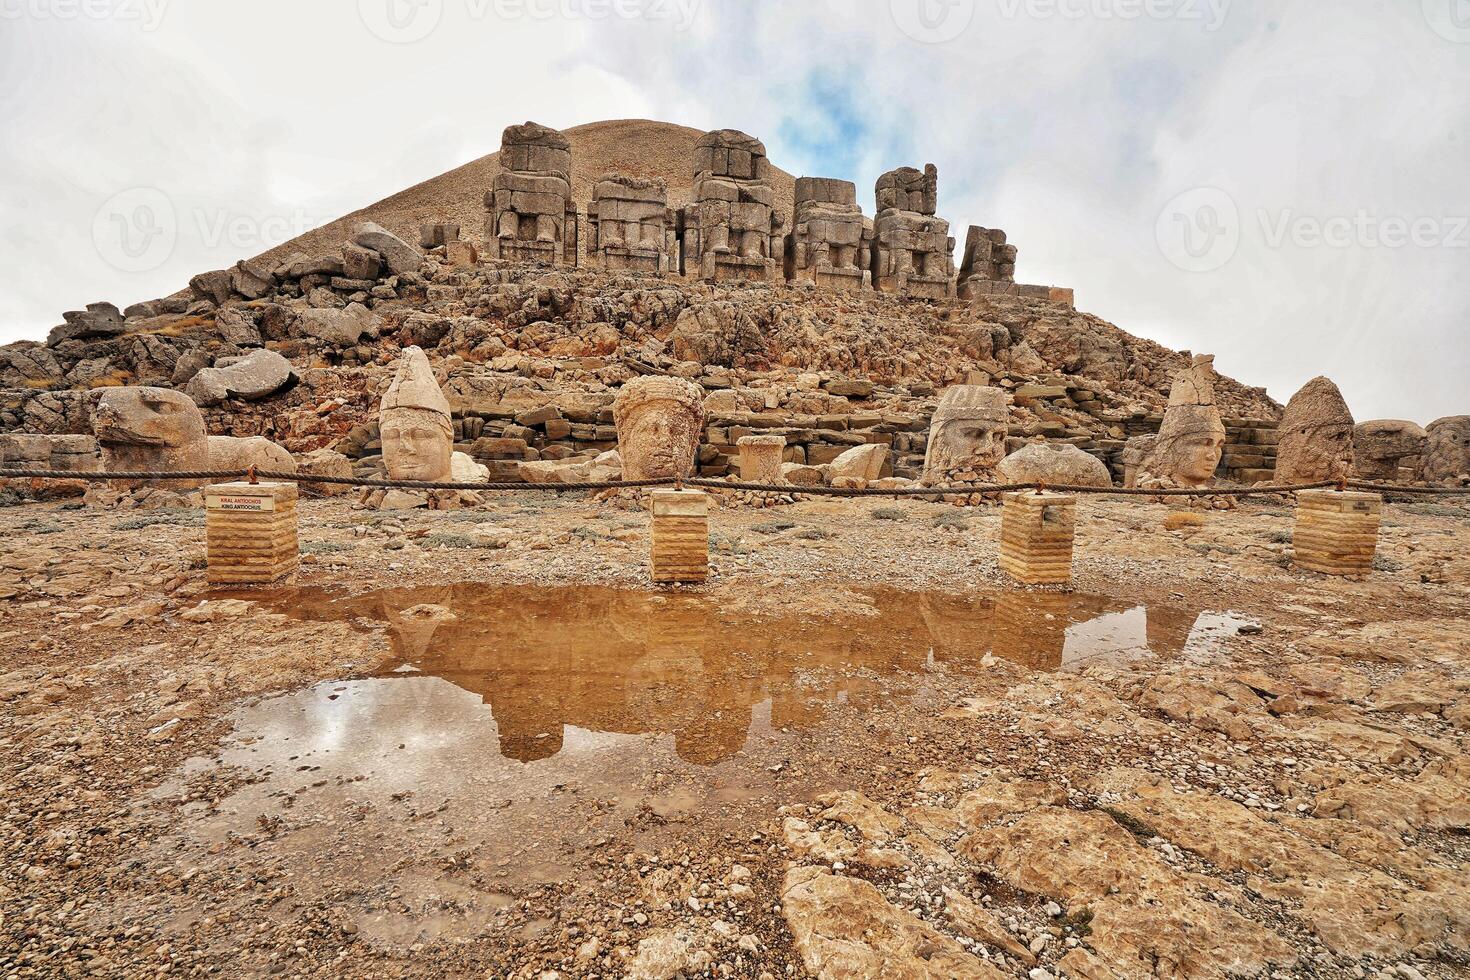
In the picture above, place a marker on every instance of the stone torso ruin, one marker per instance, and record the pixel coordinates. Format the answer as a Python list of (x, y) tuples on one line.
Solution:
[(732, 231)]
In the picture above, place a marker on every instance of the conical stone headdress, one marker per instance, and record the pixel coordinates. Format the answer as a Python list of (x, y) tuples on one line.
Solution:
[(414, 388), (972, 402)]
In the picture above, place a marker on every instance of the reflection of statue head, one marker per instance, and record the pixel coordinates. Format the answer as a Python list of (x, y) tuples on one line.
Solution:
[(1192, 436), (968, 431), (659, 421), (1316, 435), (414, 423)]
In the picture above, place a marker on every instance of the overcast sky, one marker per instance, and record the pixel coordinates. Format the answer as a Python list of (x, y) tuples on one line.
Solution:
[(1284, 184)]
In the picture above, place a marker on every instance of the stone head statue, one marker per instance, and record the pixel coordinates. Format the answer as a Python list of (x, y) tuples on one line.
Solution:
[(659, 423), (1316, 436), (414, 423), (1447, 449), (1192, 437), (153, 429), (1379, 445), (968, 432)]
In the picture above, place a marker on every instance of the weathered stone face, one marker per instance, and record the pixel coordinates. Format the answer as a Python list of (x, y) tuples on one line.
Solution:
[(1380, 444), (1447, 451), (659, 423), (1316, 436), (150, 429), (1192, 438), (414, 423), (968, 433)]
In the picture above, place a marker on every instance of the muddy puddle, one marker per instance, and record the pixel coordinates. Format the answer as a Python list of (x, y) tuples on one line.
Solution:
[(513, 732), (537, 673)]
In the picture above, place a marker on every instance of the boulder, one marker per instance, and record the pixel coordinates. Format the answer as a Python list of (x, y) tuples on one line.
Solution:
[(360, 263), (339, 328), (1055, 464), (801, 475), (464, 469), (257, 375), (214, 286), (236, 327), (252, 280), (325, 462), (96, 321), (189, 364), (231, 453), (399, 255), (859, 463)]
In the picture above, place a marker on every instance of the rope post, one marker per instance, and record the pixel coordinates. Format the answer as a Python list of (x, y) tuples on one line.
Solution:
[(1037, 531), (679, 540), (251, 532), (250, 475), (1336, 531)]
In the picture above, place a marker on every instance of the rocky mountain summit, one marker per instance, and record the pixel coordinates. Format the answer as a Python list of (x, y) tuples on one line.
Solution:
[(532, 357)]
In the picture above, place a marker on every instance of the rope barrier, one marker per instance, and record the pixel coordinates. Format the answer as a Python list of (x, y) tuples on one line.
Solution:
[(715, 484)]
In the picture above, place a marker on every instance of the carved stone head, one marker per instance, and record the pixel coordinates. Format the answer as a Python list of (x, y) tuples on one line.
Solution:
[(152, 429), (1447, 452), (1316, 436), (968, 432), (659, 423), (1191, 439), (414, 423)]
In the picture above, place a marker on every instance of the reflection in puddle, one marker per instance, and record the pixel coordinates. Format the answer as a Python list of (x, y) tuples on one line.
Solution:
[(538, 673), (514, 733)]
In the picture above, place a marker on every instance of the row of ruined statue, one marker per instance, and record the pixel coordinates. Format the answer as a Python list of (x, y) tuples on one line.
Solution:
[(660, 424), (732, 230)]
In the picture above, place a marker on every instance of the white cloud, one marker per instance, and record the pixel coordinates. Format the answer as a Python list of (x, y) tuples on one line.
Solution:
[(1070, 123)]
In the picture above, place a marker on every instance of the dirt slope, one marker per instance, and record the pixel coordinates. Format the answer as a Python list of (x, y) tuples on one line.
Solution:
[(640, 147)]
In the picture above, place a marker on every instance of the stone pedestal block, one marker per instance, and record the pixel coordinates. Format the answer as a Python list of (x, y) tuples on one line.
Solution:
[(251, 532), (680, 539), (1336, 533), (761, 459), (1036, 534)]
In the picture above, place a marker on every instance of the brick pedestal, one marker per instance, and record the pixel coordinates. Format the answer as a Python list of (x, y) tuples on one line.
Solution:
[(251, 530), (1036, 534), (680, 538), (1336, 533)]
